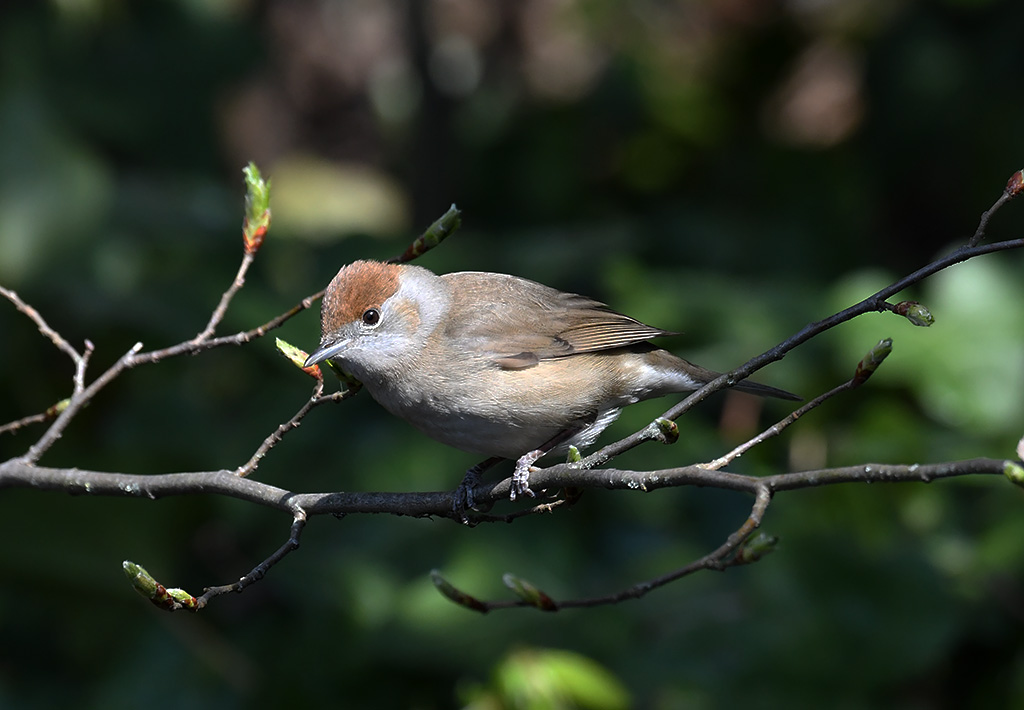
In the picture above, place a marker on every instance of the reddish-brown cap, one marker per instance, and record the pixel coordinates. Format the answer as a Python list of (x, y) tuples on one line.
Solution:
[(358, 286)]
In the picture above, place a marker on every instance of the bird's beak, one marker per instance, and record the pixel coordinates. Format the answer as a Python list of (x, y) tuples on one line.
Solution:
[(326, 352)]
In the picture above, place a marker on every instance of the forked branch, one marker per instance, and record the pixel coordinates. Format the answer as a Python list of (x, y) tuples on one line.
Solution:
[(571, 478)]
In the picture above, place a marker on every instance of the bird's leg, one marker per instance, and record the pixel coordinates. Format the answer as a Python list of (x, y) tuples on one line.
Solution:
[(521, 476), (463, 497)]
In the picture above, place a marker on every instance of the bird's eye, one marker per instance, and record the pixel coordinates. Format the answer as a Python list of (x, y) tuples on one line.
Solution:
[(371, 316)]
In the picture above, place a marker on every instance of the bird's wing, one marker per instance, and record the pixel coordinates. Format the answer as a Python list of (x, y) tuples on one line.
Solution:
[(521, 322)]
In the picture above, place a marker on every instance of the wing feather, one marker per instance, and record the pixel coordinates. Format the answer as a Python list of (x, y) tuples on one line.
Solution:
[(521, 322)]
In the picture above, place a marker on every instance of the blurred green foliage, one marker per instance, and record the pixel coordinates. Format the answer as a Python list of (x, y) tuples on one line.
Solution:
[(730, 170)]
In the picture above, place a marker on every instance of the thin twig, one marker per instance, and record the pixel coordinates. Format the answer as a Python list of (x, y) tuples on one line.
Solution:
[(1014, 186), (278, 434), (258, 572), (81, 363), (240, 338), (59, 342), (225, 300), (865, 368), (77, 401), (718, 559), (979, 233), (176, 599), (873, 303), (12, 427), (780, 426)]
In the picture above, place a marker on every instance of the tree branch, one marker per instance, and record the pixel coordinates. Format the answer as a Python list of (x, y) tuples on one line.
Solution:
[(573, 477), (876, 302), (17, 473)]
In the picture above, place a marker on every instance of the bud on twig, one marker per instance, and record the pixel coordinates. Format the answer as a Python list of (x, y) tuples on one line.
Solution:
[(1015, 472), (1013, 469), (257, 208), (456, 595), (529, 593), (161, 596), (297, 357), (436, 233), (56, 409), (914, 312), (756, 547), (871, 361), (1015, 185), (668, 430)]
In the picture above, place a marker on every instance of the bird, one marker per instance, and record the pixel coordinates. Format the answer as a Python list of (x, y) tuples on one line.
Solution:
[(494, 364)]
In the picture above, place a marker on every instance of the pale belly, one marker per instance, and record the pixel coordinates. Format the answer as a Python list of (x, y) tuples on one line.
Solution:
[(497, 430), (503, 438), (518, 415)]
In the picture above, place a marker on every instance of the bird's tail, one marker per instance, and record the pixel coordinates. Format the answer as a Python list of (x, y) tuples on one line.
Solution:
[(765, 390), (705, 375)]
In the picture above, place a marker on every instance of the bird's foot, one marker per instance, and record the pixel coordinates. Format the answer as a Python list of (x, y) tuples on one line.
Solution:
[(463, 498), (521, 476)]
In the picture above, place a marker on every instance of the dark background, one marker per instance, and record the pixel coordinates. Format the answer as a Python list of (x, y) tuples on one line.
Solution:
[(731, 169)]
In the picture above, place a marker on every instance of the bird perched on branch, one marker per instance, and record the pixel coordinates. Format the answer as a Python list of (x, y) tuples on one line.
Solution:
[(494, 364)]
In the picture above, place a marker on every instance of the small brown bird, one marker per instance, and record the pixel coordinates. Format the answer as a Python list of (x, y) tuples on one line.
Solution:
[(494, 364)]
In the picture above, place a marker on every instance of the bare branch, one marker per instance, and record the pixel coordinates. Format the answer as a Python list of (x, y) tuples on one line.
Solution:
[(225, 300), (278, 434), (571, 478), (79, 400), (1014, 186), (49, 414), (723, 557), (876, 302), (864, 370), (192, 347), (260, 570), (175, 599), (17, 473), (58, 341), (719, 559)]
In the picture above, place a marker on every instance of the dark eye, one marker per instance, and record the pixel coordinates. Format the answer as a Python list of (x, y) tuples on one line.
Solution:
[(371, 316)]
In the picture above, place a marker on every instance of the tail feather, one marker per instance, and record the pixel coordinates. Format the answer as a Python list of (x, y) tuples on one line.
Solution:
[(765, 391), (704, 375)]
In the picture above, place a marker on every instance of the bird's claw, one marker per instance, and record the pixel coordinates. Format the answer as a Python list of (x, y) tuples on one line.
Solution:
[(462, 499), (521, 476)]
